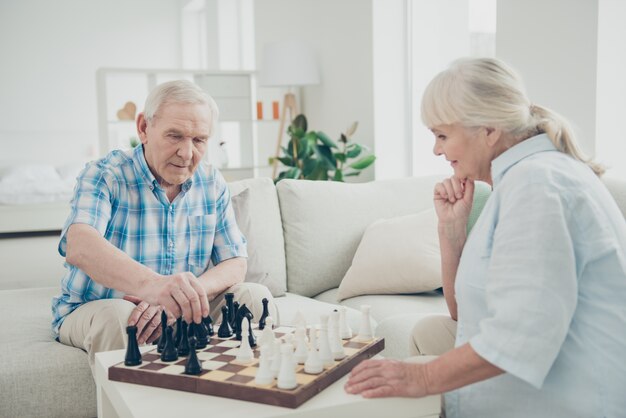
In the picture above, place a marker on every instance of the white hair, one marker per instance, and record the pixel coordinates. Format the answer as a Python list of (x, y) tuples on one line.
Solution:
[(486, 92), (179, 91)]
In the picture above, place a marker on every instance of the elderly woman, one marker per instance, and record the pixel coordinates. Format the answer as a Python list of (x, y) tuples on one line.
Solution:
[(539, 286)]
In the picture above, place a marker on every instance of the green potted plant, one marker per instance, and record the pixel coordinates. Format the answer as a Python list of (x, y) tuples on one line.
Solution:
[(312, 155)]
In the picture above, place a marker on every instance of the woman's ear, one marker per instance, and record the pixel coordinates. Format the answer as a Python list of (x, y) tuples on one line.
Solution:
[(492, 135), (142, 125)]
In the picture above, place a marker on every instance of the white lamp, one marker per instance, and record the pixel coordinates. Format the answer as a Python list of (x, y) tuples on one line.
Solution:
[(288, 64)]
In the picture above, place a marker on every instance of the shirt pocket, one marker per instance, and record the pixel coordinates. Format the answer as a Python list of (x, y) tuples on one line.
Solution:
[(201, 235)]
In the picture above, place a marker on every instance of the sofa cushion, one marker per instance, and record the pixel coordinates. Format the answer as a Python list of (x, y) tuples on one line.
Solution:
[(395, 256), (323, 223), (40, 377), (258, 217)]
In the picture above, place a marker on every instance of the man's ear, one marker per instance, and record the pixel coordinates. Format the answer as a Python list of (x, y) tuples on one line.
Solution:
[(142, 125), (492, 135)]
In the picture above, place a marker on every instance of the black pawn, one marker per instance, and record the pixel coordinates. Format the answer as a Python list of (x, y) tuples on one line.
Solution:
[(170, 353), (161, 344), (179, 322), (251, 337), (237, 323), (193, 366), (225, 330), (265, 314), (208, 323), (231, 308), (183, 344), (201, 334), (133, 356), (234, 315)]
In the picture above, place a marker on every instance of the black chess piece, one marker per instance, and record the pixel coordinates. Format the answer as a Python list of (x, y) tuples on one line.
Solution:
[(241, 313), (170, 353), (234, 315), (208, 323), (251, 337), (183, 343), (265, 313), (225, 330), (231, 308), (178, 331), (161, 343), (133, 355), (201, 334), (193, 366)]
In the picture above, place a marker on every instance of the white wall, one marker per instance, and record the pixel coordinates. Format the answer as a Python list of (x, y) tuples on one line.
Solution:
[(340, 32), (553, 44), (50, 52), (611, 102)]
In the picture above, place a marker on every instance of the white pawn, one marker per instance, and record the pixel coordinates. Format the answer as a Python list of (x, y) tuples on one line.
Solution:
[(267, 335), (287, 373), (336, 344), (326, 355), (365, 329), (313, 364), (344, 330), (301, 348), (245, 354), (264, 375), (276, 358)]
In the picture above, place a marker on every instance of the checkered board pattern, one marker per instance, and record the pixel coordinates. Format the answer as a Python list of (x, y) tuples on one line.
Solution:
[(223, 376)]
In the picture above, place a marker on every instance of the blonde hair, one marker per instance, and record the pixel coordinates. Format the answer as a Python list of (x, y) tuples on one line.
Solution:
[(486, 92), (179, 91)]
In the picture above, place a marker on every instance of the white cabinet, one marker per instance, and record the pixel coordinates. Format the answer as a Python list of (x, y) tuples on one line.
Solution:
[(241, 144)]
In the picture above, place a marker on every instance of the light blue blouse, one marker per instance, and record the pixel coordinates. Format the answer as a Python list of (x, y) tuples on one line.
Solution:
[(541, 291)]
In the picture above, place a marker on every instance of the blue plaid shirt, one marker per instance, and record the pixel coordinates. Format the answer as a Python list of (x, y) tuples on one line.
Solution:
[(121, 199)]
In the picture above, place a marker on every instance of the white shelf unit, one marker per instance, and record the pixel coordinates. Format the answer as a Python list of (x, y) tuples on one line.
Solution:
[(235, 94)]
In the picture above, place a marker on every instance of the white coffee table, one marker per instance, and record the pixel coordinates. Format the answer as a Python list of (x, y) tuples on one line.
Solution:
[(126, 400)]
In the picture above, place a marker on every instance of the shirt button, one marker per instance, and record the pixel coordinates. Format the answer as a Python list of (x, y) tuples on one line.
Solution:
[(151, 187), (171, 208), (171, 244)]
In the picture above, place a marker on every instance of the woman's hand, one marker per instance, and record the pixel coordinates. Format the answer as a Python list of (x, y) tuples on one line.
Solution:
[(453, 201), (383, 378)]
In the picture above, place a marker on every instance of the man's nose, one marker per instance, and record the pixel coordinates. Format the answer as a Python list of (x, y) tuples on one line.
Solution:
[(185, 149)]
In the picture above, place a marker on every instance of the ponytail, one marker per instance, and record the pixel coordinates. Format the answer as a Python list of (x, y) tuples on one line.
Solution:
[(561, 134)]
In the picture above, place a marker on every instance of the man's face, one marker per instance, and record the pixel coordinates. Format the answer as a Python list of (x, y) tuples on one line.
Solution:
[(175, 140)]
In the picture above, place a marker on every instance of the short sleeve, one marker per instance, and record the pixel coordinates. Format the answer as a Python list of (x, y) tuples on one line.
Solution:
[(91, 203), (229, 242), (531, 284)]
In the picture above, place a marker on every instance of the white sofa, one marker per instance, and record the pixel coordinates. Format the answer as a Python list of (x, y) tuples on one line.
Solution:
[(302, 238)]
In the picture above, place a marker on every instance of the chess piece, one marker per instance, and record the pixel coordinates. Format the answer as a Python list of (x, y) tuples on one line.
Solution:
[(365, 328), (241, 313), (229, 297), (287, 372), (313, 364), (183, 337), (208, 323), (326, 357), (302, 351), (193, 366), (179, 322), (234, 314), (276, 358), (264, 374), (133, 355), (201, 333), (161, 344), (169, 351), (265, 313), (344, 330), (225, 331), (267, 335), (245, 354), (251, 336), (336, 344)]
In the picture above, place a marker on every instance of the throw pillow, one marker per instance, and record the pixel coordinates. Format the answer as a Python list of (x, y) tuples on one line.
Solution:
[(397, 255)]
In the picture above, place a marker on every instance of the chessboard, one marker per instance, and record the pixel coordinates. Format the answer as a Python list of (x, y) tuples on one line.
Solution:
[(222, 376)]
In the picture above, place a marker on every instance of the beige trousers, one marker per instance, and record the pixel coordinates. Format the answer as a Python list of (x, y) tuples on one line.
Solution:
[(433, 336), (100, 325)]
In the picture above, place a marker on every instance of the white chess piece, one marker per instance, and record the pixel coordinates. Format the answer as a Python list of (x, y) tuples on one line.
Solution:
[(326, 355), (344, 330), (287, 373), (313, 364), (276, 358), (267, 334), (302, 352), (264, 375), (336, 344), (245, 354), (365, 329)]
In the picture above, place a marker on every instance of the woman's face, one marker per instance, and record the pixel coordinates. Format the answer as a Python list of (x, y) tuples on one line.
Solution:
[(466, 149)]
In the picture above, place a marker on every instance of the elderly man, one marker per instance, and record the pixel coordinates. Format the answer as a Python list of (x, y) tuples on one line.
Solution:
[(144, 226)]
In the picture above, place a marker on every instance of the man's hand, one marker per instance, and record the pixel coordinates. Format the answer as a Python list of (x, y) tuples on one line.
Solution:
[(181, 294), (383, 378), (147, 319)]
